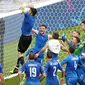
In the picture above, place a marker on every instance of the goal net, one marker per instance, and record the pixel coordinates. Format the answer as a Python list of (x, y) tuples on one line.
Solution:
[(63, 16)]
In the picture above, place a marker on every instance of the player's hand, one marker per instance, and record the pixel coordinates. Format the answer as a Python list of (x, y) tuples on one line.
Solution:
[(21, 83), (36, 55), (62, 81)]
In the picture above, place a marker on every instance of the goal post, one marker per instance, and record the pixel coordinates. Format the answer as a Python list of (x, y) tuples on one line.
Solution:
[(2, 30)]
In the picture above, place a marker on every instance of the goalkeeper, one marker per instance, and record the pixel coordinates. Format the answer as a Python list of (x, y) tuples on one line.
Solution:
[(26, 36)]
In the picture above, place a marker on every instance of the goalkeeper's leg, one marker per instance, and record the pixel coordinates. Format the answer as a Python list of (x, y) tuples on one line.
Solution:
[(19, 61), (23, 45)]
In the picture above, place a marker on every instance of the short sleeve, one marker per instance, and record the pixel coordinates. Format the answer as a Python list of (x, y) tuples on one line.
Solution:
[(65, 60)]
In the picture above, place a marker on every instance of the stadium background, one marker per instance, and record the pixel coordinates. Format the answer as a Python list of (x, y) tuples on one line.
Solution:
[(56, 16)]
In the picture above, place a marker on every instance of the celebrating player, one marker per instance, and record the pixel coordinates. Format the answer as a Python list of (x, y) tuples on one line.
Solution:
[(41, 39), (52, 45), (32, 69), (50, 69), (81, 51), (71, 62), (26, 36)]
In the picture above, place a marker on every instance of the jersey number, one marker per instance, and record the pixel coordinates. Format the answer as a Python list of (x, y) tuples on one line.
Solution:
[(54, 72), (32, 72)]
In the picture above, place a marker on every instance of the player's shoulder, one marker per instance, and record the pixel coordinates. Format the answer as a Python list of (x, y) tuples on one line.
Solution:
[(49, 62), (27, 62), (38, 64)]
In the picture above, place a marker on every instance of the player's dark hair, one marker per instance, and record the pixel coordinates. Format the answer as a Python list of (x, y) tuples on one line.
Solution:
[(49, 54), (55, 35), (44, 26), (31, 56), (34, 11), (83, 22), (78, 39), (72, 49)]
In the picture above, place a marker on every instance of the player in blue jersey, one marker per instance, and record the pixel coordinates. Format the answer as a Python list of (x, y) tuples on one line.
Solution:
[(81, 67), (26, 35), (41, 39), (50, 70), (1, 75), (74, 34), (71, 62), (75, 42), (78, 51), (33, 71), (52, 45)]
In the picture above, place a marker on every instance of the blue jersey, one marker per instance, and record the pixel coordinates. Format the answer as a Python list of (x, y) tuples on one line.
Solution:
[(72, 62), (28, 24), (33, 70), (50, 69), (1, 69), (82, 60), (40, 41)]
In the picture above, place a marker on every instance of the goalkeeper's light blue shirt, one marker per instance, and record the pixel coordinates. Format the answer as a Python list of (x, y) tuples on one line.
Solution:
[(33, 70), (1, 71), (71, 62), (28, 24), (40, 41), (50, 69)]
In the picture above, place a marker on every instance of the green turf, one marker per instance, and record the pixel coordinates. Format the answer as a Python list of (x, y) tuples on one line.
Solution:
[(10, 55)]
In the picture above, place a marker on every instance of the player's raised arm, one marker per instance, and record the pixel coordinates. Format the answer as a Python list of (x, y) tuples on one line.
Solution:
[(64, 47), (35, 31), (27, 8), (50, 36)]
